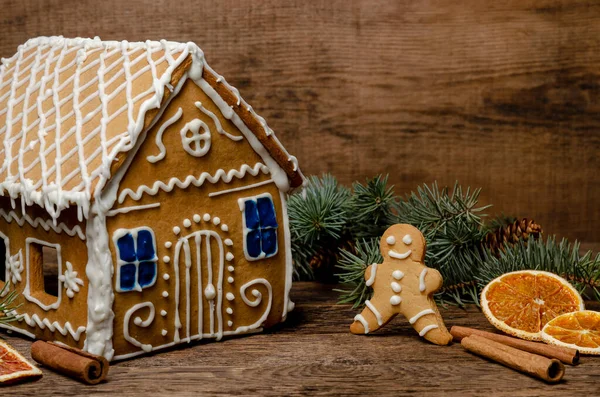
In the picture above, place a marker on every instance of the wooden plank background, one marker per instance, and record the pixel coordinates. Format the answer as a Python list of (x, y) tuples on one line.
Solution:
[(500, 95)]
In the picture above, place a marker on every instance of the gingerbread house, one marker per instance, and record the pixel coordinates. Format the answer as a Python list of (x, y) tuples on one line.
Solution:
[(157, 191)]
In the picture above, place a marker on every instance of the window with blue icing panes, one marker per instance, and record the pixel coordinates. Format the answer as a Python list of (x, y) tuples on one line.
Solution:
[(261, 227), (137, 260)]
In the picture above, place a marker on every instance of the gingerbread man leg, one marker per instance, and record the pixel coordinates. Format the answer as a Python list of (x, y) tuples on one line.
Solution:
[(373, 316), (421, 310)]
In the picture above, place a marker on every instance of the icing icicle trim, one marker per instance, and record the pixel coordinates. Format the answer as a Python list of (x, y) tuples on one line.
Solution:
[(35, 320), (45, 224), (192, 180)]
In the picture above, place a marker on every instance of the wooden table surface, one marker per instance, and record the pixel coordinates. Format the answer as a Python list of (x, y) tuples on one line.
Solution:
[(314, 354)]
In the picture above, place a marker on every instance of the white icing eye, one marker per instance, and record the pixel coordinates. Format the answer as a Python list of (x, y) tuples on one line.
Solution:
[(407, 239), (391, 240)]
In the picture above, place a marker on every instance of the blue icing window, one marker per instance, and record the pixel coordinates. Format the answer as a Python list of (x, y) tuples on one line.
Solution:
[(260, 227), (136, 259)]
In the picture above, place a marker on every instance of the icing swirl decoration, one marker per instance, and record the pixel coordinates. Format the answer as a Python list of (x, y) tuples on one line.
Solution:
[(195, 137), (140, 323), (256, 301)]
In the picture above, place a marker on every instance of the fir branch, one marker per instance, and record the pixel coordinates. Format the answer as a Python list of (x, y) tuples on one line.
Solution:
[(352, 268), (451, 222), (7, 306), (563, 259), (317, 219), (370, 207), (320, 210)]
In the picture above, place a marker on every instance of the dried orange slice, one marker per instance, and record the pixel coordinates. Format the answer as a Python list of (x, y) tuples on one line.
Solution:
[(578, 330), (14, 367), (521, 303)]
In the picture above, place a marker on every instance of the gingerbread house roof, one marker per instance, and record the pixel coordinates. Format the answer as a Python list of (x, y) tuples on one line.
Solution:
[(69, 107)]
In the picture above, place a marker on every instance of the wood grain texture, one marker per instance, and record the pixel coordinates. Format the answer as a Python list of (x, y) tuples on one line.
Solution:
[(313, 353), (500, 95)]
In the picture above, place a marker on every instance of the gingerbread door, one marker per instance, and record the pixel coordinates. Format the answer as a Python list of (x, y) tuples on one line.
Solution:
[(198, 270)]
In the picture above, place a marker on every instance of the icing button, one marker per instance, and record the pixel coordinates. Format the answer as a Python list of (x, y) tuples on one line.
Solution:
[(395, 300), (397, 274), (396, 287)]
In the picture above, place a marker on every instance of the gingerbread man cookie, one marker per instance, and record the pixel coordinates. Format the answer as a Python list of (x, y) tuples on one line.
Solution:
[(402, 284)]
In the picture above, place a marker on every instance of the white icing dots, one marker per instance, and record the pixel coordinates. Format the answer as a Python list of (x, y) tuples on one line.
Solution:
[(229, 310), (165, 294), (395, 300), (168, 244), (209, 292), (197, 218), (166, 276), (229, 256), (187, 223), (216, 220), (396, 287), (176, 230), (163, 313), (230, 280), (166, 259), (164, 332), (407, 239), (228, 242), (224, 228), (206, 217), (230, 323), (230, 268), (391, 240), (230, 296), (397, 274)]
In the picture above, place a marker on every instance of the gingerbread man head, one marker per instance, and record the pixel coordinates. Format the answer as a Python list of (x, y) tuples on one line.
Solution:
[(401, 242)]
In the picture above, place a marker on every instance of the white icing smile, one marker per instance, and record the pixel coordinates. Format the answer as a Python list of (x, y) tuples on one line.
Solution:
[(397, 255)]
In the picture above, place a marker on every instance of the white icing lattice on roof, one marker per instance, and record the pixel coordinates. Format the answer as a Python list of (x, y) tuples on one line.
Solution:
[(68, 107)]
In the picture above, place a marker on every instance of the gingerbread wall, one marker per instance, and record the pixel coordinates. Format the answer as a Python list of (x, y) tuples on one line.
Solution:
[(64, 319), (193, 209)]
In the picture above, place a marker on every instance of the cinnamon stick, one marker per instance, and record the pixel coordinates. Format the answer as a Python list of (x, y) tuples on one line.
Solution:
[(549, 370), (74, 363), (564, 354)]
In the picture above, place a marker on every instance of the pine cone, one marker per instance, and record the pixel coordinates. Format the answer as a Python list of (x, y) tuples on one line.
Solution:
[(512, 233)]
